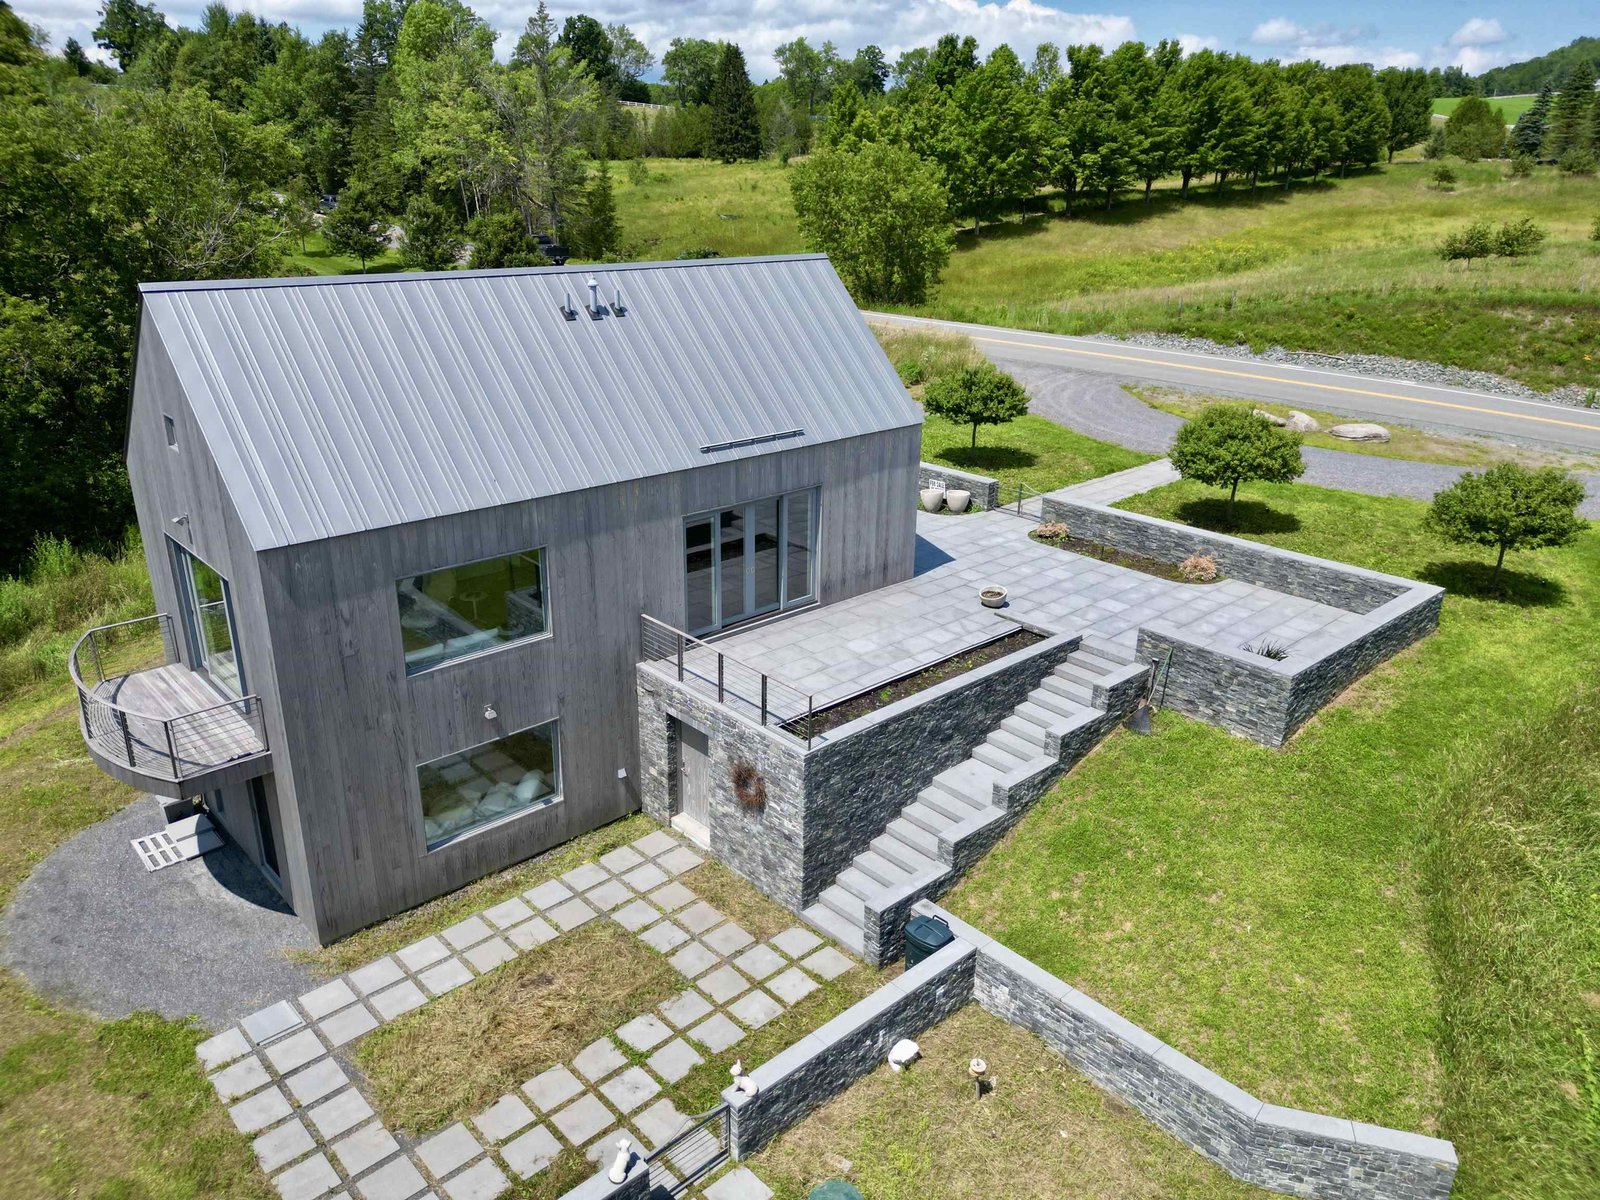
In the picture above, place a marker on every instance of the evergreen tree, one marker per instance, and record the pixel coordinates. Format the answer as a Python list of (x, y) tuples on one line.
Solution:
[(1572, 115), (432, 238), (735, 124), (1527, 136), (596, 232), (357, 227)]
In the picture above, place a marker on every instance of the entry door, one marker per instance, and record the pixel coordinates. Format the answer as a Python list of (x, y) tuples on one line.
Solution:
[(694, 790), (733, 565)]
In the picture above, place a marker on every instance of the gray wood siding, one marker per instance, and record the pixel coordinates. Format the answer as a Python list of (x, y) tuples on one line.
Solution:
[(354, 726)]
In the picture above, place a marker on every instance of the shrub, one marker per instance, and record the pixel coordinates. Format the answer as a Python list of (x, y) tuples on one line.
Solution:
[(1227, 445), (1443, 177), (1594, 234), (700, 252), (1053, 531), (1199, 568), (1578, 161), (1477, 240), (1509, 507), (1434, 146), (1519, 238), (1276, 651), (1521, 166), (912, 371), (976, 395)]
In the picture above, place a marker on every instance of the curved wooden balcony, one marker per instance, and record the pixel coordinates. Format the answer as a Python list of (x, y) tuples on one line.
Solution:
[(162, 727)]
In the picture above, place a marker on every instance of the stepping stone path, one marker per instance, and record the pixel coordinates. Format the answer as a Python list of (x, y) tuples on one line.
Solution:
[(316, 1135)]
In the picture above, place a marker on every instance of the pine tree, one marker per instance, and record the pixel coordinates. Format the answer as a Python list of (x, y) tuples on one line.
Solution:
[(1528, 135), (735, 124), (1572, 115), (596, 233)]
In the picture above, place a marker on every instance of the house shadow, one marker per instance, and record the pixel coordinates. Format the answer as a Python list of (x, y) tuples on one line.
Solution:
[(232, 870), (929, 557), (1463, 577), (985, 458), (1249, 516)]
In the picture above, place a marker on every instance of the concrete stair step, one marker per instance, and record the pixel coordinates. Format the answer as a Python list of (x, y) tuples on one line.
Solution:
[(1072, 670), (870, 862), (919, 839), (905, 856), (846, 903), (957, 808), (1040, 716), (972, 780), (862, 886), (927, 817), (1003, 761), (1069, 688), (1054, 702), (824, 920), (1094, 661), (1107, 649), (1023, 729), (1005, 740)]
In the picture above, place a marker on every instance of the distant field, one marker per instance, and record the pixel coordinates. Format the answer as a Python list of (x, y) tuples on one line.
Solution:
[(1511, 107)]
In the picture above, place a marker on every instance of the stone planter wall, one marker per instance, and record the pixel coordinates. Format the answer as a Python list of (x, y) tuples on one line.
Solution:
[(985, 491)]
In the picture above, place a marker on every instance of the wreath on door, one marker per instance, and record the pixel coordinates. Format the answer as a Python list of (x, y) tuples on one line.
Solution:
[(748, 785)]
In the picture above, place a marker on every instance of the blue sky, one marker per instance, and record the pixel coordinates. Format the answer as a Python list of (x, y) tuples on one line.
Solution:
[(1421, 33)]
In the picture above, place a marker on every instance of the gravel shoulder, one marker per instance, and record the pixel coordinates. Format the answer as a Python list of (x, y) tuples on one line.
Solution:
[(91, 928)]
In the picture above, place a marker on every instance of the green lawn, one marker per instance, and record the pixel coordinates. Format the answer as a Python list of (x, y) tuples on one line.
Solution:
[(1326, 925), (1511, 107), (314, 258)]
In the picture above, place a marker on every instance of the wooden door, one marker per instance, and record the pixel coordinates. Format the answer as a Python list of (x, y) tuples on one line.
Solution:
[(694, 785)]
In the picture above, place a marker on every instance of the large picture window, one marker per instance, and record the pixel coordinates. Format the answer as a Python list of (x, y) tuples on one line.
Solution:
[(466, 791), (748, 560), (456, 611)]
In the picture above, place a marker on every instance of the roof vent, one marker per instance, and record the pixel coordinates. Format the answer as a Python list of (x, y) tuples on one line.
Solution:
[(567, 310), (616, 304), (595, 311)]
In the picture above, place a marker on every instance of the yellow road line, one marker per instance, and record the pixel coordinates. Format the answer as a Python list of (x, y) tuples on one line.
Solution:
[(1305, 383)]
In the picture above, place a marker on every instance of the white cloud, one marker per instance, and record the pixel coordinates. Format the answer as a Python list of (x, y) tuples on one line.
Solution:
[(1190, 42), (1479, 44), (1479, 31), (1281, 31), (1278, 31)]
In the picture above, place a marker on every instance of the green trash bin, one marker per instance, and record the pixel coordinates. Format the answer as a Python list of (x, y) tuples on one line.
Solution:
[(925, 936), (834, 1189)]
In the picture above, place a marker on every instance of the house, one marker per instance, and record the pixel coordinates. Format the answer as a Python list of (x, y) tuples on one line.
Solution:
[(402, 530)]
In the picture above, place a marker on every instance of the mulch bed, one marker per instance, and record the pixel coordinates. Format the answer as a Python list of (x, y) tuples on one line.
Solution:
[(1122, 558)]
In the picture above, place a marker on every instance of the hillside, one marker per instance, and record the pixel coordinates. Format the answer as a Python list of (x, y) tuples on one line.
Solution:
[(1534, 73), (1511, 107)]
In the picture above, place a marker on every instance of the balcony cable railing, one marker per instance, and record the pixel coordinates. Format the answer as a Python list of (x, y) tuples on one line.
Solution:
[(174, 745), (753, 693)]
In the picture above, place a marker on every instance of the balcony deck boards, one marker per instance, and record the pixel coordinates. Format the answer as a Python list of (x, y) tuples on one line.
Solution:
[(171, 693)]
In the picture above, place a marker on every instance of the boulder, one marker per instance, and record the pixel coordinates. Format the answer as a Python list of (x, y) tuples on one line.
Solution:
[(1299, 422), (1360, 431), (1266, 416)]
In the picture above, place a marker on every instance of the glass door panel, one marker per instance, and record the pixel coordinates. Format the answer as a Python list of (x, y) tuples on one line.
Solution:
[(766, 555), (208, 622), (700, 572), (799, 538), (731, 566)]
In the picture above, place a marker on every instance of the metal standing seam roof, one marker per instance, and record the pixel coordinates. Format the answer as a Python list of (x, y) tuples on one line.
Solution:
[(360, 402)]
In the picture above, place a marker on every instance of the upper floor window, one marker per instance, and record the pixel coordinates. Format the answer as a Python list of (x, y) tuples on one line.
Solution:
[(477, 606)]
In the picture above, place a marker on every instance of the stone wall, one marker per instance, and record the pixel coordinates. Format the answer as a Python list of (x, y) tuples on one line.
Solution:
[(1352, 588), (985, 491), (821, 1065), (1286, 1150)]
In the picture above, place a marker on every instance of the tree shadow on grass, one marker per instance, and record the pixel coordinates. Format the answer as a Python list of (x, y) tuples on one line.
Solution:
[(1249, 516), (986, 458), (1464, 577)]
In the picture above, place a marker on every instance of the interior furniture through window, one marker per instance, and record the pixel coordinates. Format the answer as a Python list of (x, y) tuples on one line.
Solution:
[(476, 606), (473, 788), (751, 559)]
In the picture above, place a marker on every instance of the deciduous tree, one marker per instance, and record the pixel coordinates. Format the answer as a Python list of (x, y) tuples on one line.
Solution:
[(976, 396), (1227, 445), (1509, 507)]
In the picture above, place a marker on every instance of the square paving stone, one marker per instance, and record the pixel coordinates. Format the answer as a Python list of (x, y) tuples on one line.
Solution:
[(444, 1152), (598, 1059), (423, 954), (312, 1178), (466, 933), (486, 956), (445, 977), (797, 942), (686, 1008), (376, 976), (717, 1033), (284, 1144), (397, 1179), (548, 894), (699, 917), (532, 1152), (503, 1118), (271, 1022), (244, 1077), (261, 1110), (503, 916), (740, 1184), (316, 1081), (484, 1181), (365, 1148), (630, 1089), (582, 878), (530, 934), (641, 1033), (760, 961), (679, 860), (694, 959), (582, 1119), (793, 986), (345, 1111), (295, 1051), (224, 1048), (621, 859), (663, 937), (348, 1025), (828, 963), (756, 1009), (553, 1088), (608, 895), (723, 984), (401, 998), (328, 998), (642, 879), (674, 1060), (655, 842), (727, 939), (573, 913), (673, 896), (659, 1123), (634, 917)]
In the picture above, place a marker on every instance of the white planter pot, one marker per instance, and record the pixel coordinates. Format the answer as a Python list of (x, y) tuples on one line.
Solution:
[(932, 498), (957, 501), (992, 595)]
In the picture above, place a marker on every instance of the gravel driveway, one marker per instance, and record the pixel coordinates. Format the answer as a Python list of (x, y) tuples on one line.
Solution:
[(1097, 405), (91, 928)]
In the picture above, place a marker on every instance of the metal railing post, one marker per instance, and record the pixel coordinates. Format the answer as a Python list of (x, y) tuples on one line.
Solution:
[(94, 649), (719, 679), (763, 699), (680, 657), (811, 712), (127, 738), (172, 752)]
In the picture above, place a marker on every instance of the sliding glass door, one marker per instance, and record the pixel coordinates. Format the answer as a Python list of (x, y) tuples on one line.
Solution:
[(206, 610), (748, 560)]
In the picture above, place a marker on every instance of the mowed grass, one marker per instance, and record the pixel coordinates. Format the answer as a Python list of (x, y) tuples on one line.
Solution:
[(315, 257), (690, 204), (1281, 915), (1511, 107), (1044, 1131)]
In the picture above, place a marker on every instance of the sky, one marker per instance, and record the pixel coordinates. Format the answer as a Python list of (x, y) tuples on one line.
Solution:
[(1425, 33)]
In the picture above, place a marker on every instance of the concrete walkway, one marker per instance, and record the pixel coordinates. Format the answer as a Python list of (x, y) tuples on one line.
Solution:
[(1119, 485)]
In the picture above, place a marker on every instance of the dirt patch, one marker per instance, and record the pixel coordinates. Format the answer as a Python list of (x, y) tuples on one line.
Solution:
[(1122, 558), (457, 1055), (881, 697)]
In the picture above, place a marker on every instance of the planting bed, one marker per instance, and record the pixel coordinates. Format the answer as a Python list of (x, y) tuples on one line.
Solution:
[(1121, 558)]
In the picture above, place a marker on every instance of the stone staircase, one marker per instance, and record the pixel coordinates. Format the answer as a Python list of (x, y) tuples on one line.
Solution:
[(965, 809)]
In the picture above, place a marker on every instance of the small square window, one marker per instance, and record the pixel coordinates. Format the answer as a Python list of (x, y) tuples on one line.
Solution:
[(172, 432)]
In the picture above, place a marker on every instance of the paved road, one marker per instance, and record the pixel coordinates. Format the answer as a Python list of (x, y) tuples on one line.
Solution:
[(1423, 405)]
